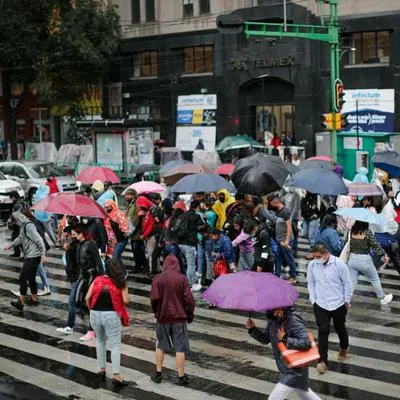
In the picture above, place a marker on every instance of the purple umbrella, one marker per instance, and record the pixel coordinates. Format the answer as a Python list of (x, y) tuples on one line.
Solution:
[(251, 291)]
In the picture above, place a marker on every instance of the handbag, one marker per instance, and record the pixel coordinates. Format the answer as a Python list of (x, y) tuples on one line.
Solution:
[(220, 268), (345, 254), (299, 358)]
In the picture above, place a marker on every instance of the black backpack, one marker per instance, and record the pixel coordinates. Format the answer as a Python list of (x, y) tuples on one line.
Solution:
[(181, 227)]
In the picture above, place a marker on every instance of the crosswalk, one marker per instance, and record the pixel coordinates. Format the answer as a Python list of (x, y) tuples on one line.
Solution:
[(224, 361)]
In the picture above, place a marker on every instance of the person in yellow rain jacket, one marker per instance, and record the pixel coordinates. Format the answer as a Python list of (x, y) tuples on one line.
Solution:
[(220, 206)]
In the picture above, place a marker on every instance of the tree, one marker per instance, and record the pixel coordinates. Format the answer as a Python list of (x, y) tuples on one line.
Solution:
[(55, 48)]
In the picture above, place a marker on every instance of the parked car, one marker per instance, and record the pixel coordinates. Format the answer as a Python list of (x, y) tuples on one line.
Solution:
[(6, 187), (31, 174)]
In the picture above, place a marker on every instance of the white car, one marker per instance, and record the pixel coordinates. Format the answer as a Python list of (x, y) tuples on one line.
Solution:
[(6, 187)]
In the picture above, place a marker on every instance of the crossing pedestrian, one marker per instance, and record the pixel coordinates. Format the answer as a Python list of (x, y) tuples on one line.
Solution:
[(330, 290), (173, 305)]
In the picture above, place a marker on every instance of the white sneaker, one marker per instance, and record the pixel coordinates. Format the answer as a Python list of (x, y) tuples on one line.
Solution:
[(196, 287), (387, 299), (66, 331), (199, 275), (16, 293), (45, 292)]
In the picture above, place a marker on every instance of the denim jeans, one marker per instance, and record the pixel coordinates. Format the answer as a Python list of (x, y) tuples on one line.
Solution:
[(119, 249), (190, 254), (43, 277), (49, 230), (282, 391), (246, 261), (107, 325), (71, 305), (139, 254), (287, 254), (200, 258), (362, 264), (310, 230)]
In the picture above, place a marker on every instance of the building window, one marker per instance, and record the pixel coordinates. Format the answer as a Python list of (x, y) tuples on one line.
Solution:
[(145, 64), (370, 47), (187, 8), (204, 6), (150, 11), (135, 11), (198, 59), (144, 110)]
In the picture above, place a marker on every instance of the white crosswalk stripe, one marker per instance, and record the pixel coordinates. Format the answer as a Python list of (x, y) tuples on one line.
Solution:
[(224, 362)]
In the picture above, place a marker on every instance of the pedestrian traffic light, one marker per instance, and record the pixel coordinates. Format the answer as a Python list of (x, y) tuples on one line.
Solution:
[(327, 121), (339, 94)]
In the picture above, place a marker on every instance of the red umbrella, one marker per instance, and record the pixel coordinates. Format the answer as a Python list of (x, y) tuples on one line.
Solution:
[(225, 169), (177, 173), (91, 174), (70, 204)]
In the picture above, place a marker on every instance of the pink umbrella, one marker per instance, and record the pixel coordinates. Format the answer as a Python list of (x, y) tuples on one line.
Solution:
[(364, 189), (320, 158), (225, 169), (70, 204), (91, 174), (146, 187)]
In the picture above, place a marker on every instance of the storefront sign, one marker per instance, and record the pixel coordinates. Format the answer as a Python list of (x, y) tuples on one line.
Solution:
[(375, 110), (242, 63)]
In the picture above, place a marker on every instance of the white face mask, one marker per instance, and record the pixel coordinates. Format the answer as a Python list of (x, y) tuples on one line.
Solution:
[(319, 261)]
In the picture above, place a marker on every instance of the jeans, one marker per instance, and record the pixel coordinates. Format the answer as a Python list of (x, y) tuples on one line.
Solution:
[(139, 254), (287, 254), (71, 305), (310, 230), (119, 249), (107, 325), (323, 318), (150, 247), (246, 261), (200, 258), (28, 274), (362, 264), (281, 392), (190, 254), (49, 230), (42, 273)]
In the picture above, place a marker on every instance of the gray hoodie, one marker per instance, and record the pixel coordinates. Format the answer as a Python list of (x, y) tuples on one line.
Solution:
[(29, 238)]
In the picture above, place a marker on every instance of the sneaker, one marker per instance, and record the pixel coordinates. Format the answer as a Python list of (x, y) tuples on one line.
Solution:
[(157, 377), (196, 287), (18, 305), (89, 336), (199, 274), (343, 353), (292, 280), (16, 293), (322, 368), (66, 331), (387, 299), (45, 292), (183, 380)]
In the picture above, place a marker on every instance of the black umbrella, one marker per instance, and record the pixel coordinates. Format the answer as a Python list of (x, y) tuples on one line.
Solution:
[(317, 164), (292, 168), (259, 175), (141, 169)]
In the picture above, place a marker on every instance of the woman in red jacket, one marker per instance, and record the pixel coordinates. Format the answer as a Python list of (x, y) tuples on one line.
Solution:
[(106, 298)]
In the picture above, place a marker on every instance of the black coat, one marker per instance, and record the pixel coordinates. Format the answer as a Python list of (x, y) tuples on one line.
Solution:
[(72, 269), (194, 226), (96, 228), (88, 257)]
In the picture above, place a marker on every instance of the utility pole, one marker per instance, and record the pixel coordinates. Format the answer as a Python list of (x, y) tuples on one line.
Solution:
[(324, 33)]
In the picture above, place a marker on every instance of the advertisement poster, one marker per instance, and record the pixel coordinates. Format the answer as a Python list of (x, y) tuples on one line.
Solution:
[(139, 147), (375, 110), (187, 137), (109, 150)]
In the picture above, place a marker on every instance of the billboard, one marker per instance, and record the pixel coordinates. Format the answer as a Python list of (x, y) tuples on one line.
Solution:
[(187, 137), (375, 110)]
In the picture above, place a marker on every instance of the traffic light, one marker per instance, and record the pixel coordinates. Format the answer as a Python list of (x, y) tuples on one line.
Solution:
[(327, 121), (343, 121), (339, 94)]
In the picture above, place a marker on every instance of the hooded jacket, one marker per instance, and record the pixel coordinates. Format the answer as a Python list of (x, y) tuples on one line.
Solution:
[(29, 238), (148, 218), (220, 208), (171, 297)]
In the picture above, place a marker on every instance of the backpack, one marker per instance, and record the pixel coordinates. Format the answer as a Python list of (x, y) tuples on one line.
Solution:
[(40, 231), (181, 227)]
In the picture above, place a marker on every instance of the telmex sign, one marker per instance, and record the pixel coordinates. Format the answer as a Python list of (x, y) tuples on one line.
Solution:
[(242, 63)]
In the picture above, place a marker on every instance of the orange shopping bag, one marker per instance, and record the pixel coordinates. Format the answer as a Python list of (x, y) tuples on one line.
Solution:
[(299, 358)]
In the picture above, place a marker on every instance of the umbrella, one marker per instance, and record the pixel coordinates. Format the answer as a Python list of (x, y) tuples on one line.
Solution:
[(141, 169), (320, 181), (364, 189), (172, 164), (361, 214), (225, 169), (316, 164), (70, 204), (259, 175), (320, 158), (201, 183), (237, 142), (251, 291), (177, 173), (388, 161), (90, 174), (292, 168), (146, 187)]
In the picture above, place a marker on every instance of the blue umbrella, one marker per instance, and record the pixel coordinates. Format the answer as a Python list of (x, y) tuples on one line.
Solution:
[(361, 214), (388, 161), (172, 164), (201, 183), (319, 181)]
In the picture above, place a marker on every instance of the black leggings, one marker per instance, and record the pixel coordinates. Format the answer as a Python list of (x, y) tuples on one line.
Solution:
[(28, 275)]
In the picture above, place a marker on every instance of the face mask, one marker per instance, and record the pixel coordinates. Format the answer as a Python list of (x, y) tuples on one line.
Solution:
[(108, 211), (49, 179)]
